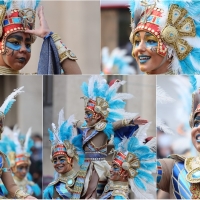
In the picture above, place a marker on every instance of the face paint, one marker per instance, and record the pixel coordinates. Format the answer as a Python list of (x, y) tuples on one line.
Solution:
[(59, 160), (197, 121), (88, 115), (149, 40), (21, 168), (15, 43)]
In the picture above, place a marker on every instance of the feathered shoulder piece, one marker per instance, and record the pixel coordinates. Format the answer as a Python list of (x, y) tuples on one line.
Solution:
[(10, 100), (64, 140), (140, 162)]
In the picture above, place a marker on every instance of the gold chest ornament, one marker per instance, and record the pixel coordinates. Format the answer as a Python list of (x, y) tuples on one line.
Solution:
[(192, 166)]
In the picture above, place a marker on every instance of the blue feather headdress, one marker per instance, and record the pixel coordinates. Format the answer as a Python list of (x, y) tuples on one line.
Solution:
[(139, 160), (63, 139), (105, 100), (6, 106), (19, 144), (117, 62), (177, 30)]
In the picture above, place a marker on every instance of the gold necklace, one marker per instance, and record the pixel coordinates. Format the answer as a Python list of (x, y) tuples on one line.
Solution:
[(6, 70)]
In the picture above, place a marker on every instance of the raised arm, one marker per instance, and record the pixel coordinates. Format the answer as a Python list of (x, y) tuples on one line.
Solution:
[(66, 57), (129, 122)]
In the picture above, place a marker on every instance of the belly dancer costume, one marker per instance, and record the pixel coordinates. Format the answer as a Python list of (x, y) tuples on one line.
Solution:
[(5, 171), (180, 176), (17, 16), (176, 27), (19, 152), (136, 158), (64, 143)]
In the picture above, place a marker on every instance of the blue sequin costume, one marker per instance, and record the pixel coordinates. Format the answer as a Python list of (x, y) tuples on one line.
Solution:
[(179, 176)]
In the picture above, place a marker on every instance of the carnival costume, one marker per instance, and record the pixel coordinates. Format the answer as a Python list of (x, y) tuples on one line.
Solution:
[(64, 142), (17, 16), (5, 171), (103, 100), (132, 156), (175, 24), (18, 155), (178, 175)]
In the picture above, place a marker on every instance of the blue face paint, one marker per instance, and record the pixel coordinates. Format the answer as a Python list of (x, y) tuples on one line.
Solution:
[(21, 168), (151, 43), (17, 46), (59, 160), (88, 115)]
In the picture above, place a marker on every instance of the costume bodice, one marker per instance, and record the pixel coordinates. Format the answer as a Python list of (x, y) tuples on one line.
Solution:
[(63, 191), (180, 184), (93, 152)]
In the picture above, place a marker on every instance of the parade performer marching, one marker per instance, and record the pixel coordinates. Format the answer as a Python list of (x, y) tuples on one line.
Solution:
[(5, 171), (104, 117), (17, 34), (165, 36), (65, 148), (132, 167)]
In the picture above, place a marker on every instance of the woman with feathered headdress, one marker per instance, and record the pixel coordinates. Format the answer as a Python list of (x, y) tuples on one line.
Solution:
[(165, 36), (17, 23)]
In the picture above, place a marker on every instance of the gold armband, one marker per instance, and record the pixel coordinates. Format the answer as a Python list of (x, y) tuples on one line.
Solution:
[(20, 194), (126, 122), (63, 51)]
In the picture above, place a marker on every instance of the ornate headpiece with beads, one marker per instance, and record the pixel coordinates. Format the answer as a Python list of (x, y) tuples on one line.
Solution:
[(16, 16), (105, 100), (4, 109), (175, 24), (63, 140), (21, 146), (139, 160)]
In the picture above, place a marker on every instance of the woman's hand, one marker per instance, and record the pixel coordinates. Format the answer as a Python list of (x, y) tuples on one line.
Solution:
[(139, 121), (43, 30)]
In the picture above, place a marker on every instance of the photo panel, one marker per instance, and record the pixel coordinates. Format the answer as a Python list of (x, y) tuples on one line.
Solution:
[(178, 136), (21, 125), (83, 99)]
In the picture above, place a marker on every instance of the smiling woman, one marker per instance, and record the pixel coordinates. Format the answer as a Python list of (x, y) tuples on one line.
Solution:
[(17, 23), (165, 36)]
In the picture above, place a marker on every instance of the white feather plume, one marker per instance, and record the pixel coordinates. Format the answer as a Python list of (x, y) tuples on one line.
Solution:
[(28, 135), (160, 124), (122, 96), (61, 118), (141, 132), (115, 86), (19, 149), (12, 96), (139, 194), (161, 96), (152, 144)]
